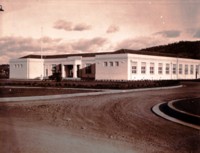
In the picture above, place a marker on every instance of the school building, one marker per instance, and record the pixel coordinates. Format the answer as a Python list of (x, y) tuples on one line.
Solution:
[(118, 65)]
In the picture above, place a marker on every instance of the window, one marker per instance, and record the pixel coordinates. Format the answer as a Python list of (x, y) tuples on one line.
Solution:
[(116, 63), (197, 69), (18, 65), (105, 63), (111, 63), (186, 69), (191, 69), (151, 68), (134, 67), (180, 69), (160, 67), (88, 69), (143, 68), (174, 68), (167, 69), (46, 72), (53, 68)]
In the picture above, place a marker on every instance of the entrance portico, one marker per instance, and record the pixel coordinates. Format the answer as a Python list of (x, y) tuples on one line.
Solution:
[(71, 69)]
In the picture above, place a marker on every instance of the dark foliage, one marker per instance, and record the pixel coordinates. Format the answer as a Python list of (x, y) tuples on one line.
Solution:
[(4, 71), (185, 49), (108, 84)]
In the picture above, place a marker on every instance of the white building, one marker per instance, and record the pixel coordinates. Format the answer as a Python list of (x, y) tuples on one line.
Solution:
[(119, 65)]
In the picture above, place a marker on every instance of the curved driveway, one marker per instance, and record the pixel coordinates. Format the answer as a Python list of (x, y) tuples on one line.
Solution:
[(121, 117)]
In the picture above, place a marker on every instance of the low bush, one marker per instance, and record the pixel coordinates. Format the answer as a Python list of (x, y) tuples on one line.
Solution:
[(99, 84)]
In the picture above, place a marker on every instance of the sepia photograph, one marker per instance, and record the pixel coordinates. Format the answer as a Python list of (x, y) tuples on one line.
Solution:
[(99, 76)]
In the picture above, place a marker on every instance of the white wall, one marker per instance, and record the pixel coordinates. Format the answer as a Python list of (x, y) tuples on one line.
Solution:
[(18, 69), (26, 68), (164, 60), (35, 68), (109, 72)]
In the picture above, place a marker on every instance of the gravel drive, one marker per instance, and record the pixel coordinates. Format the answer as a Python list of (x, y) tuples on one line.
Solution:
[(101, 124)]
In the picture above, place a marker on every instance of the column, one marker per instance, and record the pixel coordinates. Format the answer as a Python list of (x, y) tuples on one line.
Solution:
[(74, 71), (63, 70)]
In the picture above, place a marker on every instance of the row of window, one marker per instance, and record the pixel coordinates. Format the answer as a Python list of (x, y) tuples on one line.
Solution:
[(167, 68), (111, 63), (18, 65)]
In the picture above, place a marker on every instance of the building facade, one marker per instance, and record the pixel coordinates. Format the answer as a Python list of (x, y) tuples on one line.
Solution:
[(125, 65)]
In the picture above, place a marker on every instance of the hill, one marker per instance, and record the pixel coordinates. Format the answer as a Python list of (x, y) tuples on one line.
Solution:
[(187, 49)]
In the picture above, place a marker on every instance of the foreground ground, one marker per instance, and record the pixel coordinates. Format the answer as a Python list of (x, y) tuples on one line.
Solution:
[(106, 123), (37, 91)]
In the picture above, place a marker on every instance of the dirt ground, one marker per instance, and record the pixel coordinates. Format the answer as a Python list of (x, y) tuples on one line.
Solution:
[(37, 91), (113, 123)]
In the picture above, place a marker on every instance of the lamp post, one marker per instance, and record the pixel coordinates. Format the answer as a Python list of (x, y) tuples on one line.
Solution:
[(41, 52), (1, 9)]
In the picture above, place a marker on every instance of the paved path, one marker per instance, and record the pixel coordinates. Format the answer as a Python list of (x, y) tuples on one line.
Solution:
[(104, 91)]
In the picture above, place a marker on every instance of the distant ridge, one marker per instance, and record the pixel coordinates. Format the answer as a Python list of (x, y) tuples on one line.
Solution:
[(186, 49)]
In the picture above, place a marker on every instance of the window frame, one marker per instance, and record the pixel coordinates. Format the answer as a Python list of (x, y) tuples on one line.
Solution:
[(174, 69), (152, 68), (186, 69), (134, 67), (160, 68), (191, 69), (180, 69), (105, 64), (116, 63), (167, 68), (143, 67), (111, 63), (197, 69)]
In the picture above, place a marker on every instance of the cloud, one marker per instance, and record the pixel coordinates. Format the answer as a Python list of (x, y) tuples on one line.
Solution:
[(81, 27), (63, 25), (69, 26), (140, 42), (189, 12), (20, 44), (16, 47), (169, 33), (89, 45), (197, 34), (112, 29), (193, 33), (15, 44)]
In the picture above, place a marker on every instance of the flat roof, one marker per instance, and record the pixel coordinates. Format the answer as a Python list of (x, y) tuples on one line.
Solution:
[(121, 51)]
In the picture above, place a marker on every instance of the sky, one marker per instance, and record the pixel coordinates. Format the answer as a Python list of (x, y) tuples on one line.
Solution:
[(83, 26)]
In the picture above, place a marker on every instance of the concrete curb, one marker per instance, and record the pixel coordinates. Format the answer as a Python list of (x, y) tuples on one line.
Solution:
[(170, 105), (104, 91), (157, 111)]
